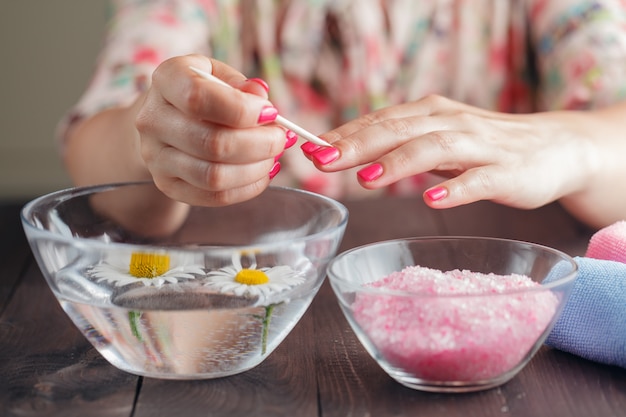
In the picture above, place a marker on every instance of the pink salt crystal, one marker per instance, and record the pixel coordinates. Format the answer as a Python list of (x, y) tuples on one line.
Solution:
[(454, 337)]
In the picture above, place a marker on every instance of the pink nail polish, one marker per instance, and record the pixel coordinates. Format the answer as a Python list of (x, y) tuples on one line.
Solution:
[(326, 155), (268, 114), (277, 157), (309, 147), (370, 173), (436, 194), (261, 82), (275, 170), (292, 138)]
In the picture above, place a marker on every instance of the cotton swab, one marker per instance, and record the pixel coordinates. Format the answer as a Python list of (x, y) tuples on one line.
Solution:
[(279, 119)]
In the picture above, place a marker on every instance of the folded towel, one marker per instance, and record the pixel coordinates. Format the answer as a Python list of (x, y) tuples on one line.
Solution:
[(609, 243), (593, 322)]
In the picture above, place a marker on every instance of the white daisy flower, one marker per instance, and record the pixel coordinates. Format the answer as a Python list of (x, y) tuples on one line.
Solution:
[(253, 282), (149, 268)]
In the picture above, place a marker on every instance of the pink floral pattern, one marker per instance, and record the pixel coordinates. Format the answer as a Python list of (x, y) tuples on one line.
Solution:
[(328, 61)]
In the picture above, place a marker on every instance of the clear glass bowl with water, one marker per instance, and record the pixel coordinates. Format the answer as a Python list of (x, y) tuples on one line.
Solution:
[(178, 292), (472, 329)]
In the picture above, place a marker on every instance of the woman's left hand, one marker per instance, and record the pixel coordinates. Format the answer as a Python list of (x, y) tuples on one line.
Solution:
[(523, 161)]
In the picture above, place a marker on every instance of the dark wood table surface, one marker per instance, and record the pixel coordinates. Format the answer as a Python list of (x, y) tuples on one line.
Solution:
[(47, 368)]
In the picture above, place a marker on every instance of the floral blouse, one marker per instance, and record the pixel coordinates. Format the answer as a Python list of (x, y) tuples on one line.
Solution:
[(328, 61)]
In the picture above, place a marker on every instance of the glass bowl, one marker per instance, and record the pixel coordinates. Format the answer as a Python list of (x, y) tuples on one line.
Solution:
[(452, 314), (185, 293)]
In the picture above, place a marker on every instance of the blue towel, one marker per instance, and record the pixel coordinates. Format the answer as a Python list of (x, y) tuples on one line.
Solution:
[(593, 322)]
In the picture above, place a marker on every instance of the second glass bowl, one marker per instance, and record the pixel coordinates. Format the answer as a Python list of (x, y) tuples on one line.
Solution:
[(438, 337)]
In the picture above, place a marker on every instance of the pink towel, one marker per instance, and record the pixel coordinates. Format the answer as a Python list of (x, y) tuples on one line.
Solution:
[(609, 243)]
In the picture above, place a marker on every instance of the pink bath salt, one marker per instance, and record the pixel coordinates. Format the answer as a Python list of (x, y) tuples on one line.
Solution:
[(454, 337)]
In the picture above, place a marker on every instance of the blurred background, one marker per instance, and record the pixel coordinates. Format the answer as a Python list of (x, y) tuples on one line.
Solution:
[(47, 53)]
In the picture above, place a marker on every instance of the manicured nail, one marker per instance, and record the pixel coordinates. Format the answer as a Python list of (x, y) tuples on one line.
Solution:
[(309, 147), (275, 170), (326, 155), (436, 194), (277, 157), (261, 83), (292, 138), (370, 173), (268, 114)]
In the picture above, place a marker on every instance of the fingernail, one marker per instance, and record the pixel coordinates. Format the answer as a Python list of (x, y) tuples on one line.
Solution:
[(261, 82), (292, 138), (275, 170), (370, 173), (436, 194), (309, 147), (277, 157), (268, 114), (326, 155)]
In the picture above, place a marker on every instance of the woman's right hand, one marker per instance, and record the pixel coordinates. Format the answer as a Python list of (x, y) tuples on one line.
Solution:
[(204, 143)]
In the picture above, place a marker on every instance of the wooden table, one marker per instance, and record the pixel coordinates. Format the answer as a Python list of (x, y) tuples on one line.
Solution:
[(47, 368)]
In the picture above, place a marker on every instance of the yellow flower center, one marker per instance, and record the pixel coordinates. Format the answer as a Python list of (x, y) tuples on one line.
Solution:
[(251, 277), (148, 265)]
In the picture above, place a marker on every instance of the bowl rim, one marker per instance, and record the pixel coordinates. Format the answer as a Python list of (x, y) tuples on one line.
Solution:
[(568, 279), (72, 192)]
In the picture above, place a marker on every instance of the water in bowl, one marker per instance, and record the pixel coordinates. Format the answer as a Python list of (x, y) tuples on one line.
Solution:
[(181, 331)]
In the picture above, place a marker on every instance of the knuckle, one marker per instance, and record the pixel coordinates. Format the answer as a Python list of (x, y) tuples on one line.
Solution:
[(402, 162), (474, 185), (485, 181), (154, 155), (215, 144), (217, 199), (213, 176), (435, 100), (157, 74), (143, 121), (167, 185), (481, 185), (444, 141), (466, 118), (372, 118), (194, 98), (399, 127)]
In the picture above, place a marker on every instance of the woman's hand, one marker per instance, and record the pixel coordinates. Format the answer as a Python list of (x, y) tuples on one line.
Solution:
[(523, 161), (204, 143)]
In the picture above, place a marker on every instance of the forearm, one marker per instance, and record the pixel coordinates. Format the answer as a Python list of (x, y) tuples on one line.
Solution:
[(104, 149), (601, 198)]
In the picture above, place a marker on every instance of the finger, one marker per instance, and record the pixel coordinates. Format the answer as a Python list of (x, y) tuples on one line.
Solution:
[(481, 183), (369, 143), (436, 142), (206, 175), (442, 151), (432, 105), (209, 141), (178, 189), (413, 109), (493, 182), (206, 99), (233, 77)]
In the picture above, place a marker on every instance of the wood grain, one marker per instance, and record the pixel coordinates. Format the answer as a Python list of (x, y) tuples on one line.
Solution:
[(283, 385), (47, 368)]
